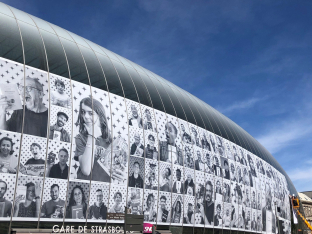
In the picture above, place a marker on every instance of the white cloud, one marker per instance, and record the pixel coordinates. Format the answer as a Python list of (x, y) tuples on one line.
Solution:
[(282, 135), (301, 176), (245, 104)]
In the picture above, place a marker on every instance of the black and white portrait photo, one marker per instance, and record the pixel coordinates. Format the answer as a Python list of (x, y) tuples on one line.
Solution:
[(205, 143), (188, 156), (165, 177), (229, 152), (136, 172), (136, 142), (164, 208), (150, 205), (218, 214), (178, 183), (77, 200), (117, 199), (33, 155), (60, 93), (93, 136), (98, 201), (7, 186), (195, 136), (9, 151), (177, 209), (189, 182), (169, 150), (34, 93), (58, 160), (185, 135), (226, 220), (232, 170), (208, 162), (151, 174), (226, 191), (199, 162), (225, 168), (60, 124), (120, 153), (134, 117), (148, 119), (151, 146), (218, 189), (53, 199), (217, 170), (188, 211), (27, 198), (134, 201)]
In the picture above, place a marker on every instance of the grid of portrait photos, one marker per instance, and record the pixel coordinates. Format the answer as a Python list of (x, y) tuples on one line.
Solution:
[(69, 151)]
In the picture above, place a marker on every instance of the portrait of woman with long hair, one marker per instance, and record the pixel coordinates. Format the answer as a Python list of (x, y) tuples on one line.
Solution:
[(8, 162), (76, 201), (177, 210), (93, 127)]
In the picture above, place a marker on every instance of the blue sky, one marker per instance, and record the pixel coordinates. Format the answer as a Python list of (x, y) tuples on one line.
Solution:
[(251, 60)]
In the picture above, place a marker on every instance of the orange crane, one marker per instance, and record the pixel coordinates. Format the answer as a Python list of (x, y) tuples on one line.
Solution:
[(295, 203)]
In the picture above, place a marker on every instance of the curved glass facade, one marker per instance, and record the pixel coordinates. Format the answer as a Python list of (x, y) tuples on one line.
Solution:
[(85, 132)]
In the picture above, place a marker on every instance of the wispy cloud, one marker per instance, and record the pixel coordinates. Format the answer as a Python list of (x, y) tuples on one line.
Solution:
[(301, 176), (285, 134), (245, 104)]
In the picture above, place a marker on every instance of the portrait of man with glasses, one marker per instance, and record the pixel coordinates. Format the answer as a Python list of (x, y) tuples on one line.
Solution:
[(36, 113)]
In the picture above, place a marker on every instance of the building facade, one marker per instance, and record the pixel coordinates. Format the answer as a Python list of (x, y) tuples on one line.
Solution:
[(85, 132)]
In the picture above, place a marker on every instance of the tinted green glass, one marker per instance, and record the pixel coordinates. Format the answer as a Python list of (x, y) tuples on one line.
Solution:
[(10, 39), (55, 53), (76, 64), (95, 72), (33, 46)]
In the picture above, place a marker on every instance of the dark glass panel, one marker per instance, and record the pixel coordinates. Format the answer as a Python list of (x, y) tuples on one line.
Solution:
[(225, 231), (175, 101), (126, 82), (94, 68), (33, 47), (211, 118), (111, 76), (199, 230), (76, 64), (188, 230), (208, 230), (4, 225), (56, 55), (186, 108), (140, 87), (203, 114), (217, 231), (79, 40), (194, 107), (157, 102), (218, 119), (10, 39), (165, 98)]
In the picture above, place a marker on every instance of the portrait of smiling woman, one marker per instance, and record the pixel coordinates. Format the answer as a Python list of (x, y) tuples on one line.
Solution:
[(8, 162)]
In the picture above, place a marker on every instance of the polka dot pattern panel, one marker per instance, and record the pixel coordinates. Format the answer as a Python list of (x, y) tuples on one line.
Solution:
[(55, 110), (10, 180), (161, 121)]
